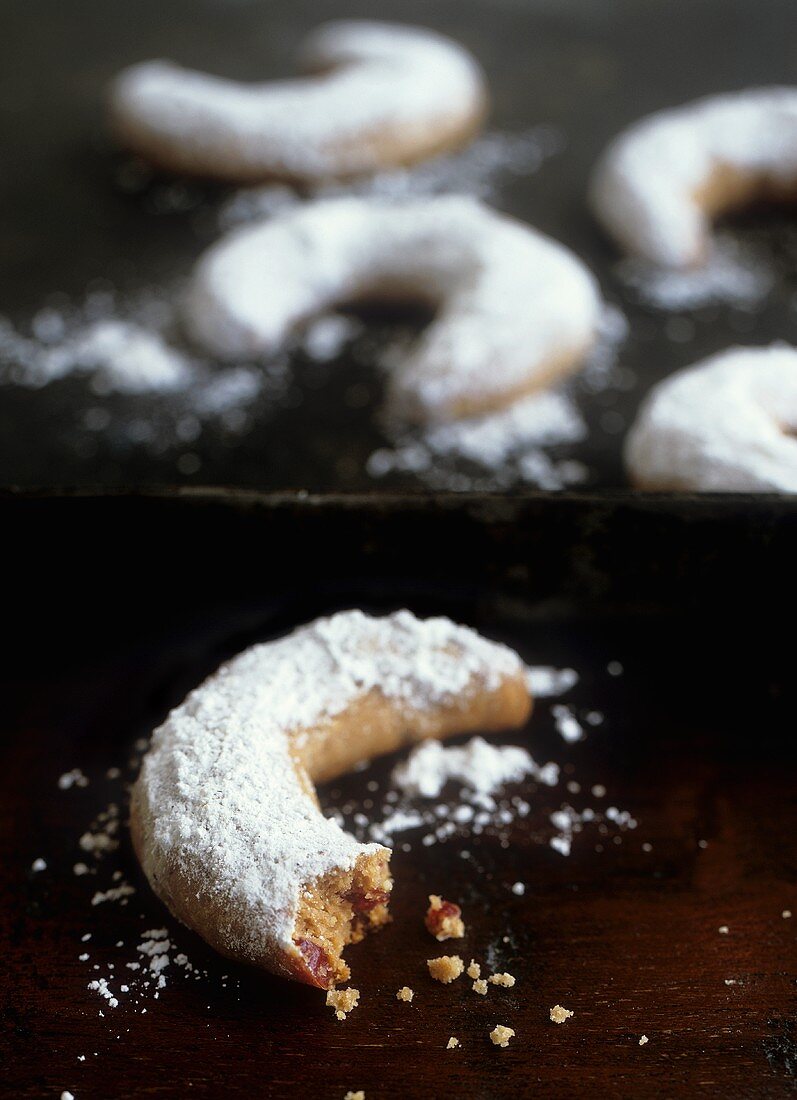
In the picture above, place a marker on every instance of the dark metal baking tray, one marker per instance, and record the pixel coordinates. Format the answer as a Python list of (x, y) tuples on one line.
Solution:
[(115, 605), (586, 67)]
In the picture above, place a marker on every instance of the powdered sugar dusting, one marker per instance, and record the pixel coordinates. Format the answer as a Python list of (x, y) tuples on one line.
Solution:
[(477, 765), (545, 681), (724, 424), (500, 449), (227, 750), (734, 273), (131, 349), (379, 92), (647, 187), (510, 300)]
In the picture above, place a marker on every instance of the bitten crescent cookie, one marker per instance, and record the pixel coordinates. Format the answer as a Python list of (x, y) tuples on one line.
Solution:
[(660, 183), (224, 817), (725, 424), (515, 309), (377, 95)]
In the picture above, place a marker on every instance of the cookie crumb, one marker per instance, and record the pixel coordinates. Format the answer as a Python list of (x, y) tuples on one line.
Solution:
[(358, 1095), (444, 919), (405, 994), (343, 1001), (474, 970), (559, 1014), (786, 914), (480, 986), (506, 980), (501, 1035), (446, 968), (723, 930), (643, 1039), (39, 865), (452, 1043)]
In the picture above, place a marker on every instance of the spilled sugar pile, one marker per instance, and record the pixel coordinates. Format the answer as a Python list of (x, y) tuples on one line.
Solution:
[(479, 170), (131, 349), (507, 447), (737, 272)]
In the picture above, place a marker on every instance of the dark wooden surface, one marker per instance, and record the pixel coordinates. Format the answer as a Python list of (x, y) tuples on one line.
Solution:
[(698, 744), (588, 67)]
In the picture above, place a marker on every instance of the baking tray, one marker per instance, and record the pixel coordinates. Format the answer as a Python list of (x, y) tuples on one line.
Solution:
[(117, 604), (587, 68)]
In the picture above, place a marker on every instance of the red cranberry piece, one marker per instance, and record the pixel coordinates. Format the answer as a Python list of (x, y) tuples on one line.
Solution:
[(318, 963), (436, 917), (362, 901)]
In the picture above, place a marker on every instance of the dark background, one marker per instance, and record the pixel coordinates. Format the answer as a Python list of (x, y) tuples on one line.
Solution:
[(588, 67)]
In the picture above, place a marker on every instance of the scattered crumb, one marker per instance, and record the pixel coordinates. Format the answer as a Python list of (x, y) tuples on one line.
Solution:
[(501, 1035), (786, 914), (405, 994), (480, 986), (474, 970), (444, 919), (559, 1014), (343, 1001), (358, 1095), (446, 968), (723, 930), (39, 865), (519, 888), (643, 1039), (67, 1095), (452, 1043), (506, 980)]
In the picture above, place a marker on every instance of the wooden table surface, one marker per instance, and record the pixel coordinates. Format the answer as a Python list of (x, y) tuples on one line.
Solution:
[(697, 744)]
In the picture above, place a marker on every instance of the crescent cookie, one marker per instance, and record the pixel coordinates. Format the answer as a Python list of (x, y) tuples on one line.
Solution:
[(515, 310), (724, 425), (377, 95), (660, 183), (224, 816)]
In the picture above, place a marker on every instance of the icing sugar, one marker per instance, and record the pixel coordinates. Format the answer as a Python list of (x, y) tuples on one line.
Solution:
[(567, 725), (219, 787), (547, 417), (478, 765), (511, 301), (374, 85), (721, 425), (646, 188), (734, 273)]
